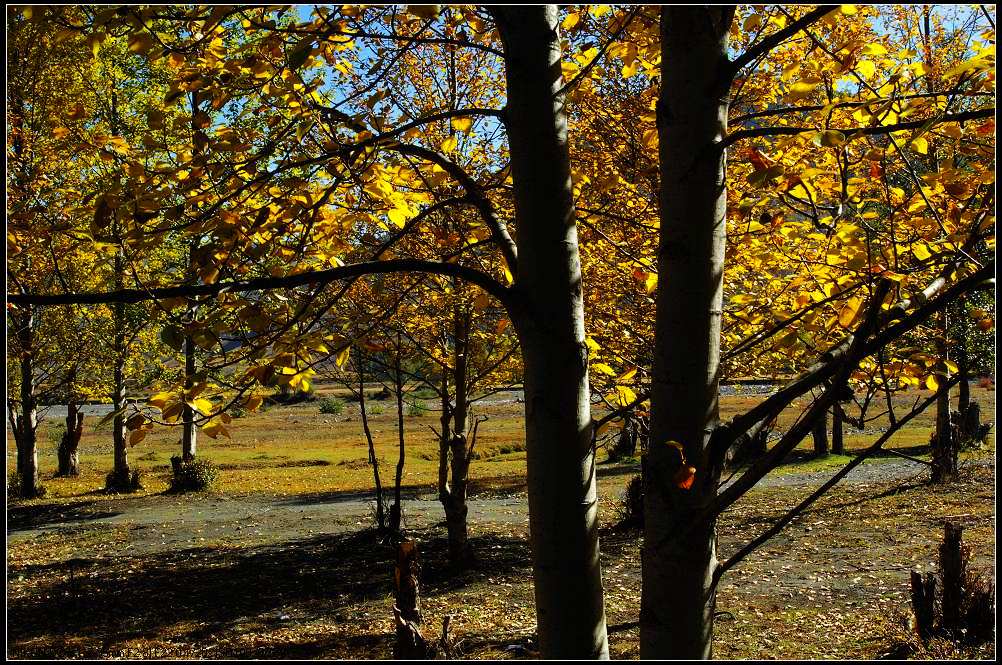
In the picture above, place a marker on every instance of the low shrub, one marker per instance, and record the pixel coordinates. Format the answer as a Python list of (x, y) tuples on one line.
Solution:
[(14, 488), (417, 408), (191, 476), (423, 393), (631, 505), (332, 406)]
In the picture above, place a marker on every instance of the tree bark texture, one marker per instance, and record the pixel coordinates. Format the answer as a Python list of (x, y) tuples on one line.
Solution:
[(944, 452), (189, 433), (27, 420), (820, 435), (373, 460), (69, 445), (679, 551), (549, 316), (838, 430)]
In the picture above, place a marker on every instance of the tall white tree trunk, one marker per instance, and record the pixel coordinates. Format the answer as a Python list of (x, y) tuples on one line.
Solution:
[(188, 432), (563, 517), (679, 553), (121, 473)]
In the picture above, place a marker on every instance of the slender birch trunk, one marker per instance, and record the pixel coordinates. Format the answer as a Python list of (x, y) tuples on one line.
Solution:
[(188, 433), (396, 510), (549, 316), (373, 460), (679, 552)]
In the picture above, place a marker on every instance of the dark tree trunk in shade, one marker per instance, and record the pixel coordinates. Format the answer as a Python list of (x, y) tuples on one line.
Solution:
[(68, 453), (820, 435), (838, 430)]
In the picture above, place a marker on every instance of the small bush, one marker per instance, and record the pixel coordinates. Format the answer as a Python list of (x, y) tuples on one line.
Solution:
[(192, 476), (332, 406), (631, 505), (423, 393), (14, 488), (417, 408), (375, 410)]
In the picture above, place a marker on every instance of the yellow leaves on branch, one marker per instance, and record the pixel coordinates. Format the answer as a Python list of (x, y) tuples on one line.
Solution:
[(462, 124)]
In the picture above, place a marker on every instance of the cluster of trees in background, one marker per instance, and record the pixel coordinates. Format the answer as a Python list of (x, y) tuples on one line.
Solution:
[(619, 205)]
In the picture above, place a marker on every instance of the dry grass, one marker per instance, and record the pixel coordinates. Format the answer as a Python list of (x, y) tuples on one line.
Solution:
[(296, 449)]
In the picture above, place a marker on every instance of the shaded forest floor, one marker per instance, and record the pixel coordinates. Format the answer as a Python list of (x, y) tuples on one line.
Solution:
[(294, 569), (833, 585)]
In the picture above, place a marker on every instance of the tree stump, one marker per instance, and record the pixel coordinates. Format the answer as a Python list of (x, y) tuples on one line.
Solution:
[(924, 603), (410, 644), (953, 568)]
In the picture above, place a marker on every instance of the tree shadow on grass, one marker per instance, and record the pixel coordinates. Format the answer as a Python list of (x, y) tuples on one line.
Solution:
[(208, 592)]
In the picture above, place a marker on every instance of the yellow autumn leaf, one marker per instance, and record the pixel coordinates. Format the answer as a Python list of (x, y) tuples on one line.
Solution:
[(932, 383), (602, 368), (847, 315), (201, 405), (398, 216), (342, 357), (651, 282), (449, 144), (159, 400), (921, 251), (626, 376), (462, 124), (625, 395)]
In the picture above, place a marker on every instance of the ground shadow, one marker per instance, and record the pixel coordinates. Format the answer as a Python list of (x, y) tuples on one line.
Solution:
[(33, 516), (212, 591)]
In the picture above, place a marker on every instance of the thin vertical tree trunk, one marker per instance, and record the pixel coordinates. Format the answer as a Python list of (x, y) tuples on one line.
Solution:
[(396, 509), (120, 475), (838, 430), (679, 551), (549, 316), (944, 453), (820, 436), (454, 502), (188, 432), (373, 460)]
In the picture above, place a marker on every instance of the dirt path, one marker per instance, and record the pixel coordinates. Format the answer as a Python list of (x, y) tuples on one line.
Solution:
[(161, 523)]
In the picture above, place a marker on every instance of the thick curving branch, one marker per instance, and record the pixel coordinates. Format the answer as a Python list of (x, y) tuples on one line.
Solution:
[(481, 279)]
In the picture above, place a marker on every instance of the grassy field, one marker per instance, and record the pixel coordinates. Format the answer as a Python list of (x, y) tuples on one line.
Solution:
[(294, 449)]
